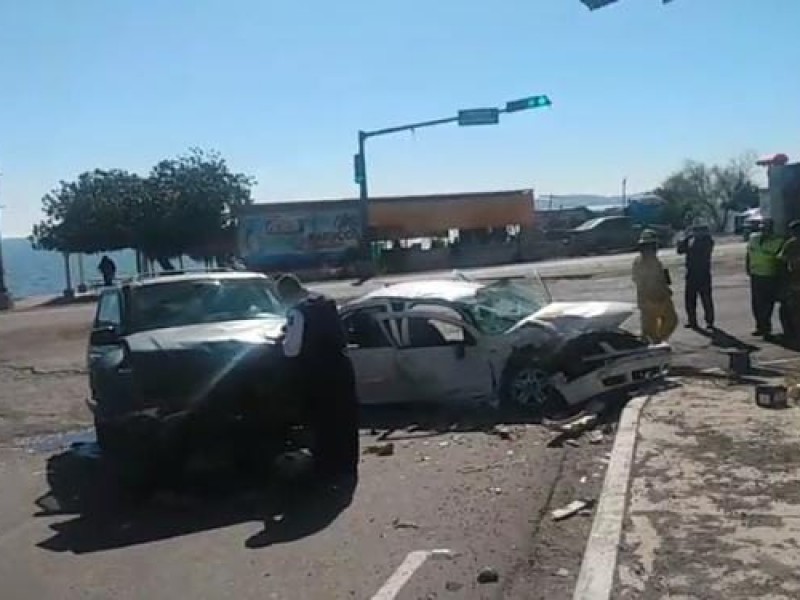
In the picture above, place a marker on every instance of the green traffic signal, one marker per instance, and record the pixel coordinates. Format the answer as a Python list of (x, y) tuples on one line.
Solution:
[(527, 103)]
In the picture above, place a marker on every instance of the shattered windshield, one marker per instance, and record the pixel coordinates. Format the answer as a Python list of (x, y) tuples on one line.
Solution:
[(496, 308), (177, 304)]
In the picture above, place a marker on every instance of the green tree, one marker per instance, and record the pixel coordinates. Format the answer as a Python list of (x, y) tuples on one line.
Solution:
[(91, 214), (710, 192)]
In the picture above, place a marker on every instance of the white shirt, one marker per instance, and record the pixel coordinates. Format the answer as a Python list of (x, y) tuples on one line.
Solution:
[(293, 341)]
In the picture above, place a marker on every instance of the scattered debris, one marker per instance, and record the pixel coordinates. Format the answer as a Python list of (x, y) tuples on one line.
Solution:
[(501, 431), (573, 443), (385, 435), (423, 458), (583, 479), (571, 509), (380, 449), (453, 586), (509, 453), (398, 524), (562, 572), (596, 437), (443, 554), (572, 429), (771, 396), (496, 490), (444, 444), (488, 575)]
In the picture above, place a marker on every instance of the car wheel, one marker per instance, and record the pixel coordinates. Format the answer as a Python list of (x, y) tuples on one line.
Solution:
[(527, 386)]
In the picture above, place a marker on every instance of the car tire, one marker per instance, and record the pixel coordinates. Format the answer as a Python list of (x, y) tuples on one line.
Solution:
[(525, 386)]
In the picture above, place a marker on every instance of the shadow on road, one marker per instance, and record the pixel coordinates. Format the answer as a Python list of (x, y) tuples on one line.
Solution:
[(82, 484)]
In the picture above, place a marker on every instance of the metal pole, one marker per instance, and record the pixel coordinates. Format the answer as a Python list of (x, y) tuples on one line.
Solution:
[(363, 195), (68, 291), (5, 297), (624, 191)]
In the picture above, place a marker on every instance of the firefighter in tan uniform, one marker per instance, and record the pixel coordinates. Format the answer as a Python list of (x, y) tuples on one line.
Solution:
[(653, 292)]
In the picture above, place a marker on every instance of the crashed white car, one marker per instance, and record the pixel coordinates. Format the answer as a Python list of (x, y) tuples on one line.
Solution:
[(499, 343)]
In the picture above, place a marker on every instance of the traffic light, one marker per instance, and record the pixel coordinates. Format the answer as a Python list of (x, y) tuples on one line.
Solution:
[(358, 168), (527, 103)]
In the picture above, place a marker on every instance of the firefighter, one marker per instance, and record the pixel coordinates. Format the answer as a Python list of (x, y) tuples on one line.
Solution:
[(698, 246), (314, 341), (790, 301), (764, 269), (653, 293)]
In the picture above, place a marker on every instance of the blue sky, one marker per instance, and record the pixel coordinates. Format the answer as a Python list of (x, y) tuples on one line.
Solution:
[(281, 87)]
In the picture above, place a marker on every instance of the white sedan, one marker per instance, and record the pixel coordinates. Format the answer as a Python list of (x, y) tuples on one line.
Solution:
[(505, 342)]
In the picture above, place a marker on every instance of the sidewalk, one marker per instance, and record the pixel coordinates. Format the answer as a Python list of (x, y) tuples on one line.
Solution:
[(714, 500)]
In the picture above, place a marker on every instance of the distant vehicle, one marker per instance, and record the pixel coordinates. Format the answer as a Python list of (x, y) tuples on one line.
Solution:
[(462, 341), (610, 234), (196, 343)]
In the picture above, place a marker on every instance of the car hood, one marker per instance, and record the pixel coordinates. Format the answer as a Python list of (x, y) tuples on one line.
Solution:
[(584, 316), (255, 332)]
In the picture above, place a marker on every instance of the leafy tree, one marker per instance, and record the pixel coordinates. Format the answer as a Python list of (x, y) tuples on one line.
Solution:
[(710, 192), (91, 214)]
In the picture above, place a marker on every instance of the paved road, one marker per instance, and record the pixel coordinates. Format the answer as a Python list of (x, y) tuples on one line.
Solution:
[(449, 485)]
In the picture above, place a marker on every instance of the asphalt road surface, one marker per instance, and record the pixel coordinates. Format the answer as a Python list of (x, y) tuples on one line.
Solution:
[(452, 499)]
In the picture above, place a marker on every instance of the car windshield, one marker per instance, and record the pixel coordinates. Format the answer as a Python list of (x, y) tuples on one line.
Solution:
[(498, 307), (591, 223), (175, 304)]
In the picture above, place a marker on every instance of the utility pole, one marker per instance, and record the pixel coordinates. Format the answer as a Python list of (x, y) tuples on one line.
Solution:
[(624, 192), (465, 118), (5, 298)]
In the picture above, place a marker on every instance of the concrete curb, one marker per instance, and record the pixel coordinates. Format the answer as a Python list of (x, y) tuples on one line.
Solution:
[(598, 568)]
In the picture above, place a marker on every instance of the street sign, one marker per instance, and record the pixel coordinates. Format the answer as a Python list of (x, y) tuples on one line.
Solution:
[(358, 168), (479, 116), (528, 103)]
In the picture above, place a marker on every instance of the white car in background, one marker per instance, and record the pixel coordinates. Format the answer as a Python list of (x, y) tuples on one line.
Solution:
[(464, 341)]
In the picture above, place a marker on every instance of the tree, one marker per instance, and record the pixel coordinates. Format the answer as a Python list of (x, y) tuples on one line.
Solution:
[(91, 214), (185, 206), (710, 192)]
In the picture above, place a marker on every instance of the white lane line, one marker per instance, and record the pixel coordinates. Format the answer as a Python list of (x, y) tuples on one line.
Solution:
[(599, 565), (400, 577)]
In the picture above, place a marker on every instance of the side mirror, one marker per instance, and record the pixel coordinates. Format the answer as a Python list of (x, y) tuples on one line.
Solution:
[(104, 335)]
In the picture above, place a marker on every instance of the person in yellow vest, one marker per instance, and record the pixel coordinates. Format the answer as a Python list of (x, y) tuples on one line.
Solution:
[(790, 301), (764, 269), (653, 292)]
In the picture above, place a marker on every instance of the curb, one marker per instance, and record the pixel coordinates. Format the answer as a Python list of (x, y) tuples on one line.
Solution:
[(596, 577)]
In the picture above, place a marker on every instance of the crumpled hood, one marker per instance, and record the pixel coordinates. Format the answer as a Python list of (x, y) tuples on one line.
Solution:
[(254, 332), (584, 316)]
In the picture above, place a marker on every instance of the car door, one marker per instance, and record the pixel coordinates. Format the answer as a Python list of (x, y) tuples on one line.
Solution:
[(441, 357), (374, 356), (109, 379)]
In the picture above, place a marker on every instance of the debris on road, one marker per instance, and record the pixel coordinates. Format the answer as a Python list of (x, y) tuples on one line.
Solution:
[(571, 509), (501, 431), (453, 586), (562, 573), (568, 432), (380, 449), (573, 443), (596, 437), (443, 554), (771, 396), (398, 524), (488, 575), (496, 490)]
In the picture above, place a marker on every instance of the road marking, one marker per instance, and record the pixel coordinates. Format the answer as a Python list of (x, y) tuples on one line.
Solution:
[(413, 561), (599, 565)]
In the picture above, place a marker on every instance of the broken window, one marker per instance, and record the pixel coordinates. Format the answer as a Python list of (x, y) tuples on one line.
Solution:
[(363, 329)]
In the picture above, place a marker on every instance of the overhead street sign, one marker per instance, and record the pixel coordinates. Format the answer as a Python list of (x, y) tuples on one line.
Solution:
[(479, 116)]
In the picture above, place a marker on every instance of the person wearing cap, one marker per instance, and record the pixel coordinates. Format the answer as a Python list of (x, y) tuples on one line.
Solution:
[(790, 301), (698, 246), (314, 341), (764, 268), (653, 292)]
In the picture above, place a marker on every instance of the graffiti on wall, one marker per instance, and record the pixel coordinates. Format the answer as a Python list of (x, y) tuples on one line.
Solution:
[(298, 237)]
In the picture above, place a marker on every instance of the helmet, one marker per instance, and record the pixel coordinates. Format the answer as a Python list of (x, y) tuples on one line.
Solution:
[(648, 236)]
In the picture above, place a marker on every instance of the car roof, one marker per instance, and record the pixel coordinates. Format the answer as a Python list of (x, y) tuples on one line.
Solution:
[(448, 290), (199, 276)]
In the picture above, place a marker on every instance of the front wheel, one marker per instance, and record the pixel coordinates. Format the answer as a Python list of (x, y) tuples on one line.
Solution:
[(527, 385)]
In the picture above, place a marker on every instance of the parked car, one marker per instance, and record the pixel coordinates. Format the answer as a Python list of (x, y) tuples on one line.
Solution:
[(610, 234), (199, 343), (464, 341)]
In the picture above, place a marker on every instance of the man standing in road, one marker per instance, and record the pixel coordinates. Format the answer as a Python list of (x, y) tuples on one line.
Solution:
[(790, 300), (324, 375), (698, 246), (108, 270), (653, 293), (764, 269)]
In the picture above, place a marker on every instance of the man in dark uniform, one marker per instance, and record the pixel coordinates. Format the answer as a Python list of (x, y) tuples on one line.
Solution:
[(790, 301), (698, 246), (323, 373)]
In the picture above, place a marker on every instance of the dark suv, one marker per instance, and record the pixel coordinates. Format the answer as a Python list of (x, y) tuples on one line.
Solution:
[(610, 234), (188, 344)]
